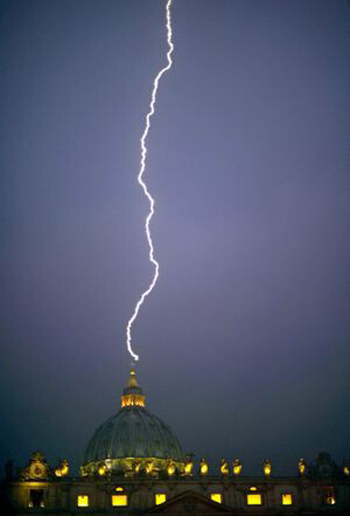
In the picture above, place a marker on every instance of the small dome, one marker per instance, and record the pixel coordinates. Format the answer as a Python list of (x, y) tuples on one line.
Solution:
[(133, 433)]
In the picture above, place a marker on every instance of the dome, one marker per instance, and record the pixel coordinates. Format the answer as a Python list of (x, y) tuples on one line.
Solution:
[(133, 432), (132, 438)]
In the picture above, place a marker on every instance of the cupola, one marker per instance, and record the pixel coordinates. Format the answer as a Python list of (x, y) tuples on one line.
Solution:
[(132, 394)]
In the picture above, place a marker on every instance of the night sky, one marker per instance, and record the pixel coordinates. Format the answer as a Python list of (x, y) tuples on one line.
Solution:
[(244, 344)]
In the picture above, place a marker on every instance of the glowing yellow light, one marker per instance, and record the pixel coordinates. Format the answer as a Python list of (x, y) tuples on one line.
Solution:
[(237, 467), (188, 467), (253, 499), (329, 496), (287, 499), (216, 497), (149, 467), (203, 467), (133, 400), (119, 489), (171, 469), (267, 468), (63, 469), (224, 469), (83, 501), (143, 184), (346, 471), (160, 498), (253, 488), (102, 470), (119, 500), (302, 466)]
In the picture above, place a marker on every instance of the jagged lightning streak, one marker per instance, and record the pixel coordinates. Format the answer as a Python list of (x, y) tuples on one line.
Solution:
[(143, 184)]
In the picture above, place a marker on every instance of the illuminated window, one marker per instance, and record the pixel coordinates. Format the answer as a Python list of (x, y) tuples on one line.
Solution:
[(83, 501), (328, 495), (253, 499), (160, 498), (287, 499), (36, 498), (119, 500), (216, 497)]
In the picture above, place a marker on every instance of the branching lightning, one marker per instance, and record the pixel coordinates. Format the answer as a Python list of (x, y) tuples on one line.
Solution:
[(143, 184)]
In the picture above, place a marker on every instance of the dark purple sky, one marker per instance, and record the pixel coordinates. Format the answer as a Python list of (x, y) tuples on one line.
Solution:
[(244, 344)]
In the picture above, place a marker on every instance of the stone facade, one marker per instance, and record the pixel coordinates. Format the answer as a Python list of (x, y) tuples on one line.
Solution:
[(134, 464), (325, 489)]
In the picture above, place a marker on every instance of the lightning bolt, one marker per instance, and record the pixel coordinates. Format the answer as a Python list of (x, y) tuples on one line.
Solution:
[(143, 184)]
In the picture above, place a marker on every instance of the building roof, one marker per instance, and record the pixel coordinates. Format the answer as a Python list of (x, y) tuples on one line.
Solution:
[(134, 432)]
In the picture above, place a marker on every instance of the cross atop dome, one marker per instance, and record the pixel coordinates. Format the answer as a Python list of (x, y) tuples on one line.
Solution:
[(133, 393)]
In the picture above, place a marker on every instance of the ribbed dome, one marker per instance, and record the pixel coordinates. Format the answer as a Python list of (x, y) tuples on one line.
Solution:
[(133, 432)]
